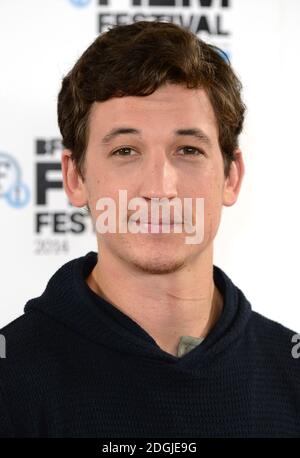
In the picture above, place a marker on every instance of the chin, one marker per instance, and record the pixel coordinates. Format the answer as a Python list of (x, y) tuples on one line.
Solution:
[(157, 266)]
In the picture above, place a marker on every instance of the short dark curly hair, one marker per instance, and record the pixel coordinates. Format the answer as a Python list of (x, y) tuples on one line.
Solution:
[(135, 60)]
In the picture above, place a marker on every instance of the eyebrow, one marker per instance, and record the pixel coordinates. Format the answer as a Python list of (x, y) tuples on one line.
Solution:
[(119, 131), (192, 132)]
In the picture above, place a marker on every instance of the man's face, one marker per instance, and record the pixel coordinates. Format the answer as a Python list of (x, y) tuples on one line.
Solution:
[(156, 162)]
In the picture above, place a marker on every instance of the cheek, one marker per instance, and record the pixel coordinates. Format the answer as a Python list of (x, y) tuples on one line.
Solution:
[(96, 189), (211, 189), (100, 186), (211, 183)]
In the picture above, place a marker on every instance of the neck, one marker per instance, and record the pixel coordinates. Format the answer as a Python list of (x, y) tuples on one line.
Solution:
[(184, 302)]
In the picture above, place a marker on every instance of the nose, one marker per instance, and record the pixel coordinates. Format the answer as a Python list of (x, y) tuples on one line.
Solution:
[(159, 178)]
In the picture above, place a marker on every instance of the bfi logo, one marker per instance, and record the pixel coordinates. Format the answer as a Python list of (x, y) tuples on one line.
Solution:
[(208, 17), (2, 346), (47, 149), (173, 3), (55, 214)]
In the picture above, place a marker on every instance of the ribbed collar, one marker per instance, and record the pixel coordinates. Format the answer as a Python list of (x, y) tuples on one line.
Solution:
[(69, 300)]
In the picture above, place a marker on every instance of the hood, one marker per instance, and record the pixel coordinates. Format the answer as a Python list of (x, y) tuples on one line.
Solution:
[(69, 300)]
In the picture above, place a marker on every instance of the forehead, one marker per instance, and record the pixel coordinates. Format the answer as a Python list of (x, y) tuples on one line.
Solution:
[(173, 105)]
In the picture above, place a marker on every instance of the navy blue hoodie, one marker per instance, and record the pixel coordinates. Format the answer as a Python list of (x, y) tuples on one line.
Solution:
[(76, 366)]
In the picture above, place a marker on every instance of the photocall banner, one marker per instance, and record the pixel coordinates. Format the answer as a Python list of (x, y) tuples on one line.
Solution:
[(40, 40)]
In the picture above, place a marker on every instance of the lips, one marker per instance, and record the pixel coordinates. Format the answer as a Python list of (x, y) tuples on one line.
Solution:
[(160, 222)]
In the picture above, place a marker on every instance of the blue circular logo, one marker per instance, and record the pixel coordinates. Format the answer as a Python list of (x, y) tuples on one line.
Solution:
[(80, 3), (12, 188), (18, 195)]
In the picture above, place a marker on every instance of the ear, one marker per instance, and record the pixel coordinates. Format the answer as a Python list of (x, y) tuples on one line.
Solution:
[(234, 179), (73, 182)]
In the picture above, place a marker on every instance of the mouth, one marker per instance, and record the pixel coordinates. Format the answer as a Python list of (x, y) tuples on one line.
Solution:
[(161, 221), (158, 227)]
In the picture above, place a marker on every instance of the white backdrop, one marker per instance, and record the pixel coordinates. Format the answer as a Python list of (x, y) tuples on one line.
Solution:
[(257, 244)]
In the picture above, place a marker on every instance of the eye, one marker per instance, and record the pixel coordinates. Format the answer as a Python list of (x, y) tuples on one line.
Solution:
[(125, 151), (192, 151), (189, 150)]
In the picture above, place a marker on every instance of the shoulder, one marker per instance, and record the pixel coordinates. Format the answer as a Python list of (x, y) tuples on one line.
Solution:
[(25, 334), (24, 339), (274, 344), (270, 330), (34, 342)]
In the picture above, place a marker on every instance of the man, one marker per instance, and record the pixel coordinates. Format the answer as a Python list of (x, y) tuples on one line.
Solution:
[(148, 338)]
